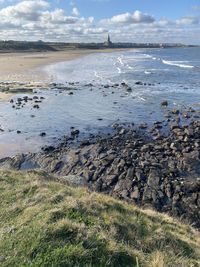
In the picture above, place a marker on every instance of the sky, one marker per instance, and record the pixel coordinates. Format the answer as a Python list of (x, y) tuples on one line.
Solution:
[(162, 21)]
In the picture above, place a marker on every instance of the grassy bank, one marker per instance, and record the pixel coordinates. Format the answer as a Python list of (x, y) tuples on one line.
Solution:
[(46, 223)]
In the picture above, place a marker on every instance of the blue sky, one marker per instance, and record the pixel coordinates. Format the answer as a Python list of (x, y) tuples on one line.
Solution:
[(91, 20), (171, 9)]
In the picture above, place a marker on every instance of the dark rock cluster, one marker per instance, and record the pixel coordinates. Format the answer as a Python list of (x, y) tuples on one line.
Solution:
[(20, 102)]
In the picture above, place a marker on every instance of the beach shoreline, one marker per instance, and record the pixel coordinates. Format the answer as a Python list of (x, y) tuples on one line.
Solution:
[(24, 66), (19, 69)]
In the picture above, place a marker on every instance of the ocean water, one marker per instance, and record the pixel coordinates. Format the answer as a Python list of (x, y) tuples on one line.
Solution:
[(168, 74), (174, 68)]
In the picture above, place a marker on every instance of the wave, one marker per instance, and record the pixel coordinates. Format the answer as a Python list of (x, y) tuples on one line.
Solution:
[(120, 61), (97, 76), (141, 98), (119, 70), (147, 55), (102, 78), (177, 64)]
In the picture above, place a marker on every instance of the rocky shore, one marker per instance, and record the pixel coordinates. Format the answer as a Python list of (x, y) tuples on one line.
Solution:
[(157, 167)]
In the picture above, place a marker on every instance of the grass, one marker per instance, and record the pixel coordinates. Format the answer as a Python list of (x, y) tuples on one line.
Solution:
[(46, 223)]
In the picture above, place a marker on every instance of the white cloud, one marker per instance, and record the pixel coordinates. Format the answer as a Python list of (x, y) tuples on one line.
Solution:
[(26, 10), (128, 18), (75, 12), (35, 19), (57, 17), (189, 20)]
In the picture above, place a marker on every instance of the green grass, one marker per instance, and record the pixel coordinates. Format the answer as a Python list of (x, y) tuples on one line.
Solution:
[(46, 223)]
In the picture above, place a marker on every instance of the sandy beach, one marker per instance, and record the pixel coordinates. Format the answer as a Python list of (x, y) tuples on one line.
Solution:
[(24, 67)]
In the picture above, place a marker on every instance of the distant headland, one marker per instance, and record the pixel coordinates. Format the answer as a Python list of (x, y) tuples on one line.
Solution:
[(17, 46)]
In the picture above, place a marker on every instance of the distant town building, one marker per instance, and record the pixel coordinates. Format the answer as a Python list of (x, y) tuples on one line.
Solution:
[(108, 43)]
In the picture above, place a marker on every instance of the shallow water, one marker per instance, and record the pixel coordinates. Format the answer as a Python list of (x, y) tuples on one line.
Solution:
[(173, 74)]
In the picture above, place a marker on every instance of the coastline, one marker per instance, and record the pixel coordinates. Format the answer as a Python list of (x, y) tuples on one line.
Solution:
[(22, 66), (152, 165), (148, 167)]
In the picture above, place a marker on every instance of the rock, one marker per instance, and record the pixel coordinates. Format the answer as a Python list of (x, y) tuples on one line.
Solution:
[(124, 84), (88, 174), (135, 193), (129, 89), (73, 180), (191, 161), (111, 179), (153, 179), (124, 194), (42, 134), (164, 103), (175, 146), (36, 106), (189, 132), (175, 111), (48, 149), (140, 175), (147, 195), (75, 132), (139, 83), (143, 125), (85, 143), (122, 131), (130, 173)]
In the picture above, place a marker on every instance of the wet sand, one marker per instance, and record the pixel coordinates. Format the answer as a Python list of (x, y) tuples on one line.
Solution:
[(4, 96)]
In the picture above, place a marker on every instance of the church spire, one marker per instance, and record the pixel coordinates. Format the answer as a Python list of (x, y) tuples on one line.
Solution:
[(108, 43), (109, 39)]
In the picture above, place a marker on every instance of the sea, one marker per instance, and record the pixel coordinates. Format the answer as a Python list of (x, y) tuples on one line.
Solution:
[(154, 75)]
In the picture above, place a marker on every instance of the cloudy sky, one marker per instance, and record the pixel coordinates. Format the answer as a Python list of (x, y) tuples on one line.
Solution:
[(91, 20)]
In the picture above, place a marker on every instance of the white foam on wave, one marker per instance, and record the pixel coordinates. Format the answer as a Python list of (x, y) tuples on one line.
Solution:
[(97, 75), (147, 72), (141, 98), (147, 55), (120, 61), (177, 64), (102, 78), (119, 70)]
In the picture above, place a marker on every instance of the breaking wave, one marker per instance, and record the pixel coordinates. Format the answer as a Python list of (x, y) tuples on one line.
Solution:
[(177, 64)]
